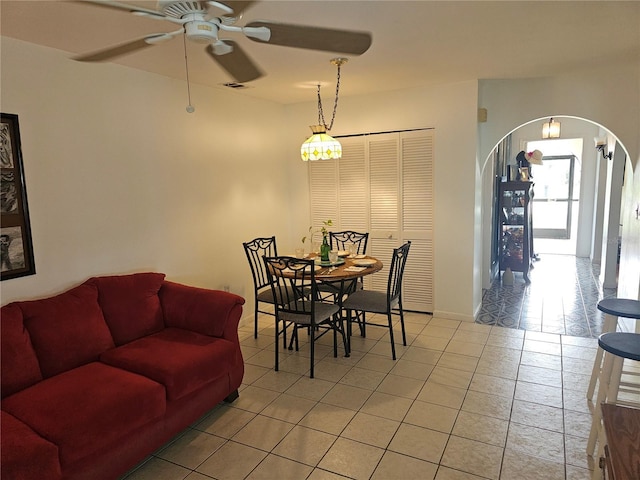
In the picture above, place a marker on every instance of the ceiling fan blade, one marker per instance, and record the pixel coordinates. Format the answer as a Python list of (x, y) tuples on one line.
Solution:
[(124, 6), (315, 38), (239, 6), (236, 63), (118, 50)]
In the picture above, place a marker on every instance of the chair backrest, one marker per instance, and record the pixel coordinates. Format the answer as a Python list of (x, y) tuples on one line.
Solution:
[(255, 250), (293, 284), (341, 240), (396, 271)]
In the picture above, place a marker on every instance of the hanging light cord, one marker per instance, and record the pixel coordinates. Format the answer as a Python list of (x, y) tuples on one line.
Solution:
[(321, 119)]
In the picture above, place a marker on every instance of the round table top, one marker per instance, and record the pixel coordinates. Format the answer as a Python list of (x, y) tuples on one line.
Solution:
[(342, 272), (621, 307)]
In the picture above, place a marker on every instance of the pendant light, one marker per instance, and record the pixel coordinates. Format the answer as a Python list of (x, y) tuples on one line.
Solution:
[(321, 145), (551, 129)]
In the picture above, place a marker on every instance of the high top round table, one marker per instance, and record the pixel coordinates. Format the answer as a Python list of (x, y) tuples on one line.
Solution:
[(613, 309)]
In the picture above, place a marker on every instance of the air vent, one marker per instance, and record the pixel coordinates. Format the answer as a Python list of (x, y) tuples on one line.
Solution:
[(234, 85)]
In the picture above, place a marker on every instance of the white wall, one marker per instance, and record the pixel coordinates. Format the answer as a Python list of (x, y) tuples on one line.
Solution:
[(120, 178)]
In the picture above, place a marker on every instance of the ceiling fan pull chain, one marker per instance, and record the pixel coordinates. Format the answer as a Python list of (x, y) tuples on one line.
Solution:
[(190, 108)]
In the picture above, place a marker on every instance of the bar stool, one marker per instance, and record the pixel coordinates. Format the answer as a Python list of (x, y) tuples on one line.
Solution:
[(613, 308), (617, 346)]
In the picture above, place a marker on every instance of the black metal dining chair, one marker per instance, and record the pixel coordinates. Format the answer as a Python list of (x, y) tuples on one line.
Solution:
[(385, 303), (293, 285), (342, 240), (255, 250)]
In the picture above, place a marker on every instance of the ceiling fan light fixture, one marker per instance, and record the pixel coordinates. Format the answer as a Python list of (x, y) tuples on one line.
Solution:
[(200, 31), (551, 129), (320, 146)]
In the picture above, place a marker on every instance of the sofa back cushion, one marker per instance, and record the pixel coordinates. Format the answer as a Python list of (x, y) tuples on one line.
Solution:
[(130, 304), (67, 330), (19, 367)]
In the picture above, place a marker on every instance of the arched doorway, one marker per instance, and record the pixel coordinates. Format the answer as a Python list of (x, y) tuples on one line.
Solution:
[(583, 220)]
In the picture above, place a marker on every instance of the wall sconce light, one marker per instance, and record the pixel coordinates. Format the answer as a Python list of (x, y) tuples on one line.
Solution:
[(551, 129), (601, 146)]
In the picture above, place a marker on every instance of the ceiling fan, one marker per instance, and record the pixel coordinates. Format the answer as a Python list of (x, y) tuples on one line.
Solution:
[(202, 20)]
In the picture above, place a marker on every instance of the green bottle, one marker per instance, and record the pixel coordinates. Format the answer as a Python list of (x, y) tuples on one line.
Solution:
[(324, 250)]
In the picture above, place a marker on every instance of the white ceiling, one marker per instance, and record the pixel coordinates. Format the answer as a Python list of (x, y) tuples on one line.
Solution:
[(415, 43)]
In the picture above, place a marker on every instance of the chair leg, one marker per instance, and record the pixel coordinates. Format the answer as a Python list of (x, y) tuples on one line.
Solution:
[(360, 320), (313, 344), (294, 337), (393, 345), (597, 365), (284, 335), (334, 325), (349, 330), (603, 387), (363, 326), (614, 382), (255, 321), (404, 334), (347, 352), (610, 324), (276, 345)]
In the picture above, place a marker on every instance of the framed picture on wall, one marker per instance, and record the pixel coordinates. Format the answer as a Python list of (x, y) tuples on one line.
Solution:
[(16, 249)]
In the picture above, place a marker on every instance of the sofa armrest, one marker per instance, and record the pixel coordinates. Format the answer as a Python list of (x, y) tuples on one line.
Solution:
[(210, 312)]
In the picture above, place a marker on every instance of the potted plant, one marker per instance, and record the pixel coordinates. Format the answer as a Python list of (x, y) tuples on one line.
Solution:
[(324, 247)]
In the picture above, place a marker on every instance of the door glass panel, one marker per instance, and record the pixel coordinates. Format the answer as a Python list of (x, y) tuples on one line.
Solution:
[(550, 215), (553, 195)]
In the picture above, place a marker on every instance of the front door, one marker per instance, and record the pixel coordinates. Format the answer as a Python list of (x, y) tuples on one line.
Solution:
[(555, 195)]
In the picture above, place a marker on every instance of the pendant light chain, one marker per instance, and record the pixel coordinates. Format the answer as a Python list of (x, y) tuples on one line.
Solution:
[(321, 119)]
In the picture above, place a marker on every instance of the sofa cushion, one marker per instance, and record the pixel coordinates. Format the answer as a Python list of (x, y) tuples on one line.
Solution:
[(130, 304), (181, 360), (87, 408), (67, 330), (18, 362), (25, 455)]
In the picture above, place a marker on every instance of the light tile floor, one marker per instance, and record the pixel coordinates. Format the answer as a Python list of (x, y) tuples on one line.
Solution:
[(463, 401), (561, 298)]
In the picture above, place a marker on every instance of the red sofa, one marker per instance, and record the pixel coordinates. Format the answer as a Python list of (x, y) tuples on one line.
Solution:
[(98, 377)]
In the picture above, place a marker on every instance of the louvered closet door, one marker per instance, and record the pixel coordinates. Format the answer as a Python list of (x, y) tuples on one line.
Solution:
[(339, 189), (353, 208), (384, 190), (383, 184), (417, 218), (323, 191)]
